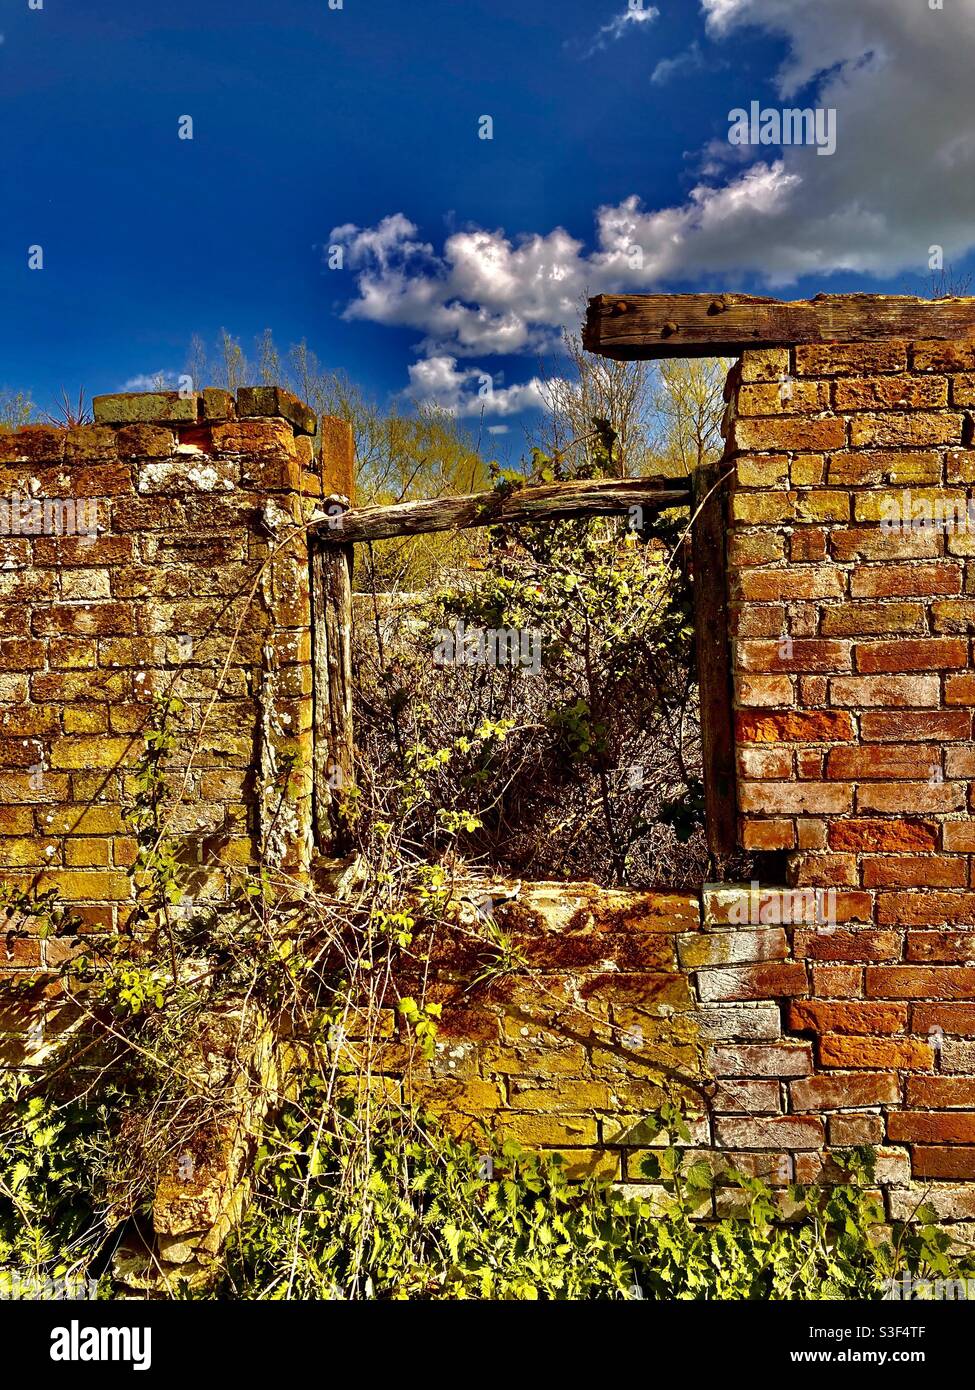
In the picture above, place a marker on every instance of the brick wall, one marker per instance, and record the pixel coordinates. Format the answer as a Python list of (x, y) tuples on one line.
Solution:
[(832, 1005), (158, 551), (854, 697)]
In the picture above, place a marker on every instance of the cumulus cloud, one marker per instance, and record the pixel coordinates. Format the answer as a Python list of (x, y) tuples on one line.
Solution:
[(902, 179), (470, 391)]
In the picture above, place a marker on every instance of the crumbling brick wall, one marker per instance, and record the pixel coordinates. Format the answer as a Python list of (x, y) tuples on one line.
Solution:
[(832, 1005), (160, 551)]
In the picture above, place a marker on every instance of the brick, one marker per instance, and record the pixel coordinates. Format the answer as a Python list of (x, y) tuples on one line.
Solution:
[(837, 981), (787, 397), (919, 982), (943, 1163), (905, 581), (883, 835), (816, 1016), (875, 763), (940, 1092), (915, 429), (829, 943), (903, 1054), (747, 1097), (768, 835), (915, 726), (931, 1127), (887, 393), (855, 1131), (910, 691), (848, 1092), (937, 356), (764, 692), (822, 726), (864, 619), (763, 548), (953, 615), (764, 364), (796, 798), (910, 797), (787, 1060), (795, 655), (959, 835), (945, 946), (731, 948), (935, 909), (915, 871), (763, 435), (924, 654), (768, 585), (759, 763), (960, 689), (874, 543), (725, 1023), (948, 1018), (772, 1132), (851, 359), (752, 982)]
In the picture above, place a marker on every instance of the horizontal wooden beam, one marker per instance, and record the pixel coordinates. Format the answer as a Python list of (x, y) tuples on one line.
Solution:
[(546, 502), (630, 326)]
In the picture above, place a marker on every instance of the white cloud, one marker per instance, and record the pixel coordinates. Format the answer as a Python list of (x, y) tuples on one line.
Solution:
[(691, 60), (470, 391), (902, 179), (635, 14), (152, 381)]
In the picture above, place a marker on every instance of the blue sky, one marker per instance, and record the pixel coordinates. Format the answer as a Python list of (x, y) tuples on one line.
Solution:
[(358, 127)]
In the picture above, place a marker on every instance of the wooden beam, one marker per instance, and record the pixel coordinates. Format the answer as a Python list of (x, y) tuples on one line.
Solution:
[(334, 757), (548, 502), (629, 326), (713, 650)]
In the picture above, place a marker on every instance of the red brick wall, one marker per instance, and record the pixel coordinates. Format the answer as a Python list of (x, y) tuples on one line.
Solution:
[(854, 696)]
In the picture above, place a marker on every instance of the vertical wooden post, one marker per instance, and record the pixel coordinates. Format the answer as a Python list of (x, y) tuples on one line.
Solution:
[(331, 588), (712, 643)]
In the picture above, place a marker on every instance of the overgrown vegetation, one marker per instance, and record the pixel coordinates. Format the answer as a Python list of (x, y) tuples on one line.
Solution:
[(584, 763)]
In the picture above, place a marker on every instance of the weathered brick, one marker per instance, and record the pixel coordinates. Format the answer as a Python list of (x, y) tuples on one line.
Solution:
[(812, 1015), (891, 392), (915, 726), (760, 435), (851, 359), (878, 763), (796, 798), (872, 691), (903, 1054), (814, 726), (771, 1132), (943, 1163), (844, 1092), (910, 797), (864, 619), (914, 429), (829, 943), (915, 871), (752, 982), (798, 655), (883, 835), (919, 982), (905, 581), (912, 654)]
